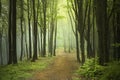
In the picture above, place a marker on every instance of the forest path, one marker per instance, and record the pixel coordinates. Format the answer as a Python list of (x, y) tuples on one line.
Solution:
[(62, 68)]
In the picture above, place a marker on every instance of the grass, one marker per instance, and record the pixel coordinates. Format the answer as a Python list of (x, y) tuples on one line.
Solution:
[(24, 69)]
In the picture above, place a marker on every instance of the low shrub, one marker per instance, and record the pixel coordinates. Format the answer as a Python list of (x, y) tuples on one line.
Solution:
[(112, 72), (91, 70)]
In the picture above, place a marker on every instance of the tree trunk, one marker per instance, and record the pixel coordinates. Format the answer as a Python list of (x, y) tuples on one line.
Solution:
[(35, 33), (29, 25), (77, 46), (1, 52), (118, 34), (101, 24), (14, 31), (0, 7), (44, 28), (81, 28), (93, 22), (21, 23), (9, 33)]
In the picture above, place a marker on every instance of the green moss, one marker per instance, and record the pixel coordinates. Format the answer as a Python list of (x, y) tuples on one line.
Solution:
[(24, 69)]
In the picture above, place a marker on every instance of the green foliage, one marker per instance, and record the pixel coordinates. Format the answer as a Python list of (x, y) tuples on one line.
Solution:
[(23, 70), (112, 72), (90, 69), (116, 45)]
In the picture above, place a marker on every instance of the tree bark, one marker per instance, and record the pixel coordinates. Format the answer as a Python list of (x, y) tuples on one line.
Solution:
[(14, 31), (29, 25), (21, 24), (35, 33), (44, 28)]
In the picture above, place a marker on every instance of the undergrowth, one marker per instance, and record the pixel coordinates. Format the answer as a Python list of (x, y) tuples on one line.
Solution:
[(91, 70), (24, 69), (112, 72)]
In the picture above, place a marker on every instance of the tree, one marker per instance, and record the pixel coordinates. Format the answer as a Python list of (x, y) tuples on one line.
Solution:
[(34, 33), (12, 32), (101, 19), (76, 33), (52, 25), (117, 29), (29, 25), (0, 7), (44, 2), (89, 47), (21, 23)]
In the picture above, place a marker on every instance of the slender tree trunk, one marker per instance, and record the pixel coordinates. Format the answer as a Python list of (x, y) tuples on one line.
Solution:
[(1, 52), (1, 30), (81, 28), (9, 33), (21, 23), (93, 20), (26, 44), (44, 28), (118, 34), (14, 32), (77, 46), (51, 28), (39, 43), (41, 34), (106, 34), (35, 33), (0, 7), (51, 37), (54, 52), (29, 25), (89, 48)]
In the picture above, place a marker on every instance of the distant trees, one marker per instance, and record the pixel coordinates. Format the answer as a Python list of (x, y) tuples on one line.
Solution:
[(52, 31)]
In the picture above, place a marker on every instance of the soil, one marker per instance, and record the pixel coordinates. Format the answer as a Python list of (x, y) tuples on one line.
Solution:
[(62, 68)]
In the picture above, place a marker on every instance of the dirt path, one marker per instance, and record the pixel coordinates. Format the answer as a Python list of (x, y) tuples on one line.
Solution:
[(62, 68)]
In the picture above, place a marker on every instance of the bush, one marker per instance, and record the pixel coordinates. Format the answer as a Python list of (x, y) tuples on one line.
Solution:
[(90, 69), (112, 72)]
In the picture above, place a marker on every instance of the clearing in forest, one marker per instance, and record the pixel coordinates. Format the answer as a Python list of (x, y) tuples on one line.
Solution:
[(62, 68)]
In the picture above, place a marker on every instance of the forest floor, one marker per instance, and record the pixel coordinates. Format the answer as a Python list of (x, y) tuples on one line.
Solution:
[(62, 68)]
